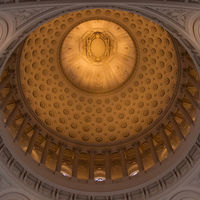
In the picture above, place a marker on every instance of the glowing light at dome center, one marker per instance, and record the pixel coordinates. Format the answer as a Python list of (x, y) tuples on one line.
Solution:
[(98, 56), (98, 47)]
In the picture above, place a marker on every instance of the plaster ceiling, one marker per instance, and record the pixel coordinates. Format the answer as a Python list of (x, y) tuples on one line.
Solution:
[(99, 94), (105, 101)]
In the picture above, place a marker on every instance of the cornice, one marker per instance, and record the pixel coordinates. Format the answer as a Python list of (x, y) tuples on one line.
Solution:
[(153, 189)]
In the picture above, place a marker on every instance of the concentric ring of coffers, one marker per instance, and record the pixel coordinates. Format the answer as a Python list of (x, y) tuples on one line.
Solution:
[(149, 80)]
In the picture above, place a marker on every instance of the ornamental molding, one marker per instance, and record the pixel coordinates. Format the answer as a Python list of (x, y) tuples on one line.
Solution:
[(186, 194), (24, 15), (7, 28), (177, 15), (3, 183), (13, 196), (192, 26), (3, 30), (155, 189), (195, 181)]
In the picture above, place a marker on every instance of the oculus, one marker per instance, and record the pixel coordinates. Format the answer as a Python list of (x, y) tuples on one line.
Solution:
[(98, 56)]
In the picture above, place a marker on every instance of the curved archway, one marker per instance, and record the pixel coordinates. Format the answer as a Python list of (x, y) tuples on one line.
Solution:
[(14, 196), (186, 195)]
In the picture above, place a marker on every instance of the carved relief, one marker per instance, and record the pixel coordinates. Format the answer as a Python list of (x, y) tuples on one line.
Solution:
[(186, 195), (193, 27), (177, 15), (13, 196), (3, 30), (21, 16), (195, 181), (3, 183)]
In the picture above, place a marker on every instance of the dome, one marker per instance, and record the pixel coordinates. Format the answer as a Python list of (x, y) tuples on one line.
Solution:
[(99, 102), (99, 98)]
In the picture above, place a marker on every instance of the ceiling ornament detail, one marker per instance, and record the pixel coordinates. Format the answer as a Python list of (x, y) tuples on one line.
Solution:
[(97, 46), (23, 15), (98, 56), (3, 30), (192, 27), (13, 195), (186, 195), (98, 136), (178, 15)]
